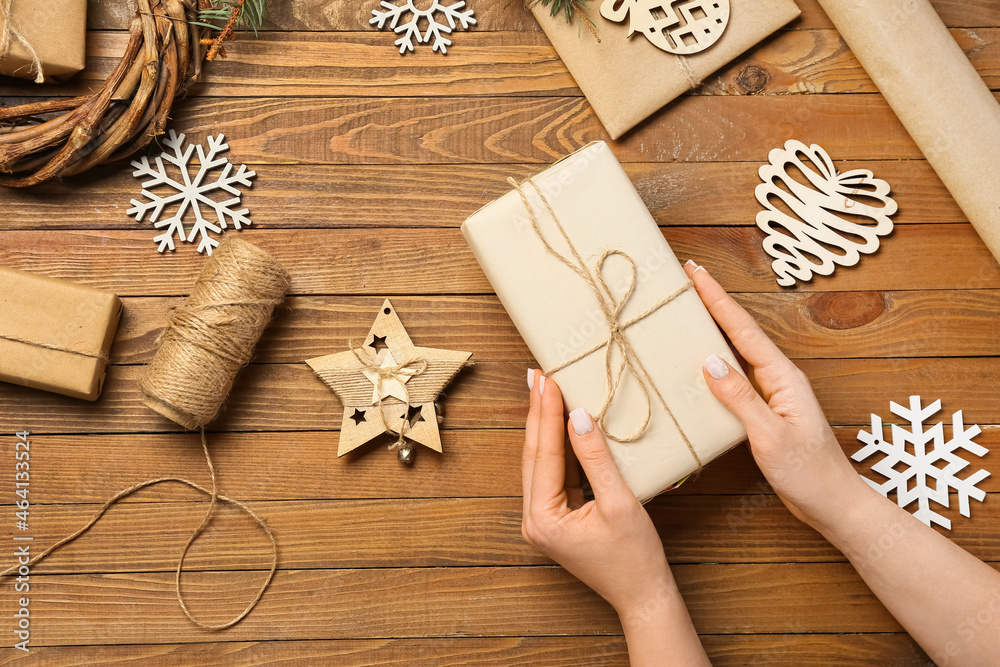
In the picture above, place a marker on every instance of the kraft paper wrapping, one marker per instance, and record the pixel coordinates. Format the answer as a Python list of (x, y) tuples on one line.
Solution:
[(47, 311), (56, 30), (627, 79), (558, 315), (937, 94)]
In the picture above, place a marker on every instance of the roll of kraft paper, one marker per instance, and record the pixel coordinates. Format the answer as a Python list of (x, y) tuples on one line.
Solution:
[(937, 94)]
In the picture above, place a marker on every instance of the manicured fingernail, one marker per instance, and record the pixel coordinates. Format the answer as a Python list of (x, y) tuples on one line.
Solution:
[(531, 379), (716, 367), (582, 423), (541, 385), (697, 267)]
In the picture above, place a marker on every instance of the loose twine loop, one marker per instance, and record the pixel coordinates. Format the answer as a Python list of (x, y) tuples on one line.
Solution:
[(11, 33), (611, 308), (206, 341)]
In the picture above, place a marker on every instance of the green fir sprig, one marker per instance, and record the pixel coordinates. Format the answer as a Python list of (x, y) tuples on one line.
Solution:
[(566, 7), (569, 9), (227, 16)]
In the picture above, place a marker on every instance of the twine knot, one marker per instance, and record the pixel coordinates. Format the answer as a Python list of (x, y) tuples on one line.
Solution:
[(617, 338), (10, 33), (410, 368)]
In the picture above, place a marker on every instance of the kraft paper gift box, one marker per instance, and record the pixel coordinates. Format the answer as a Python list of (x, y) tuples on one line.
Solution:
[(55, 29), (559, 316), (55, 335), (627, 79)]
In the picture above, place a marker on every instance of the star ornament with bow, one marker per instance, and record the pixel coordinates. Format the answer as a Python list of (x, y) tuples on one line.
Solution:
[(388, 385)]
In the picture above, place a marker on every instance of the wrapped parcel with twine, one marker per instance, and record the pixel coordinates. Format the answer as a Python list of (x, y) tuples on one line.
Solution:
[(607, 310), (206, 342)]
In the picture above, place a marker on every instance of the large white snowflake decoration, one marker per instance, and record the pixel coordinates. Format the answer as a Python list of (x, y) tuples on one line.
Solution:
[(191, 193), (412, 33), (929, 458)]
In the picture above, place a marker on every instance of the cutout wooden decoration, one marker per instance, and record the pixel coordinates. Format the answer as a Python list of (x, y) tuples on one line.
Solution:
[(437, 21), (388, 385), (921, 464), (681, 27), (830, 225)]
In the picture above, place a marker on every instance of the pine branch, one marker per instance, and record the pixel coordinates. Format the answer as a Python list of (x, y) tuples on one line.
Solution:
[(232, 15), (567, 7)]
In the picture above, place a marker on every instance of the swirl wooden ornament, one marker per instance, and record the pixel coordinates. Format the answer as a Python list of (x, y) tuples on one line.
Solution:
[(681, 27), (815, 217)]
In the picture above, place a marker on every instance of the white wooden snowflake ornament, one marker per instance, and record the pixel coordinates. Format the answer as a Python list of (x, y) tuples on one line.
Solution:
[(829, 225), (933, 460), (411, 30), (681, 27), (191, 193)]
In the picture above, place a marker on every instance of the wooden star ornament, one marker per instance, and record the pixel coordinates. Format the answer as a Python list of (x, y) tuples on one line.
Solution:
[(389, 385)]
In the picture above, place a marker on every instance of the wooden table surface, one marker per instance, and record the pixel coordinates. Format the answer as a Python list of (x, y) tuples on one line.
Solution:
[(367, 164)]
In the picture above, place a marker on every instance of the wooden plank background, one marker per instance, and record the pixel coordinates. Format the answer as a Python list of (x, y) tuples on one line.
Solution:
[(367, 164)]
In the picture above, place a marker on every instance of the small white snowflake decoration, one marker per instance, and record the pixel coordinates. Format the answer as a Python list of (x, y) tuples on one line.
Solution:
[(920, 464), (191, 193), (412, 32)]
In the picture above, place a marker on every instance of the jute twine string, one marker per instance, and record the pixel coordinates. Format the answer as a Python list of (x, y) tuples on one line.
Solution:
[(611, 308), (369, 361), (215, 496), (10, 33), (208, 338), (58, 348), (212, 334)]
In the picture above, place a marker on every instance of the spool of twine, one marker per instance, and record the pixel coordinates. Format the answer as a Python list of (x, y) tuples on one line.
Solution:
[(206, 342), (212, 334)]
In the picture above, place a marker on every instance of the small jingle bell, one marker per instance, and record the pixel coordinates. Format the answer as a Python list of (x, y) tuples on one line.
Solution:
[(439, 411), (405, 453)]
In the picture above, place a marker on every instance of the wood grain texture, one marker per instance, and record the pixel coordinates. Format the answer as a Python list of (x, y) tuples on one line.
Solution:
[(852, 650), (539, 129), (324, 196), (303, 467), (469, 601), (490, 395), (430, 533), (321, 15), (494, 63), (805, 325), (381, 262)]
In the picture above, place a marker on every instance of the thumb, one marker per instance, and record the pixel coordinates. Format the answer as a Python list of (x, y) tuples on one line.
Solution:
[(595, 458), (736, 393)]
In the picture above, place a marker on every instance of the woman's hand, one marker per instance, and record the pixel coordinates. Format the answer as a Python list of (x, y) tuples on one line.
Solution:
[(790, 437), (947, 599), (609, 543)]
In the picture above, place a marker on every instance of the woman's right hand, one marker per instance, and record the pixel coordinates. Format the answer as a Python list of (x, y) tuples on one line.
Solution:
[(789, 436)]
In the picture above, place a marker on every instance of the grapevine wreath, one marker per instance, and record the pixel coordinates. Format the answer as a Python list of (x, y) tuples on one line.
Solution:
[(167, 43)]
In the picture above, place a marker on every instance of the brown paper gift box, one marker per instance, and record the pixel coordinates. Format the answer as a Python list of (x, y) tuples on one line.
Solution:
[(55, 335), (558, 315), (627, 79), (55, 29)]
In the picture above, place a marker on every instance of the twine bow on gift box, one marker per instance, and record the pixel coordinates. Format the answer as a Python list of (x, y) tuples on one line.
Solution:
[(10, 33), (617, 338)]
